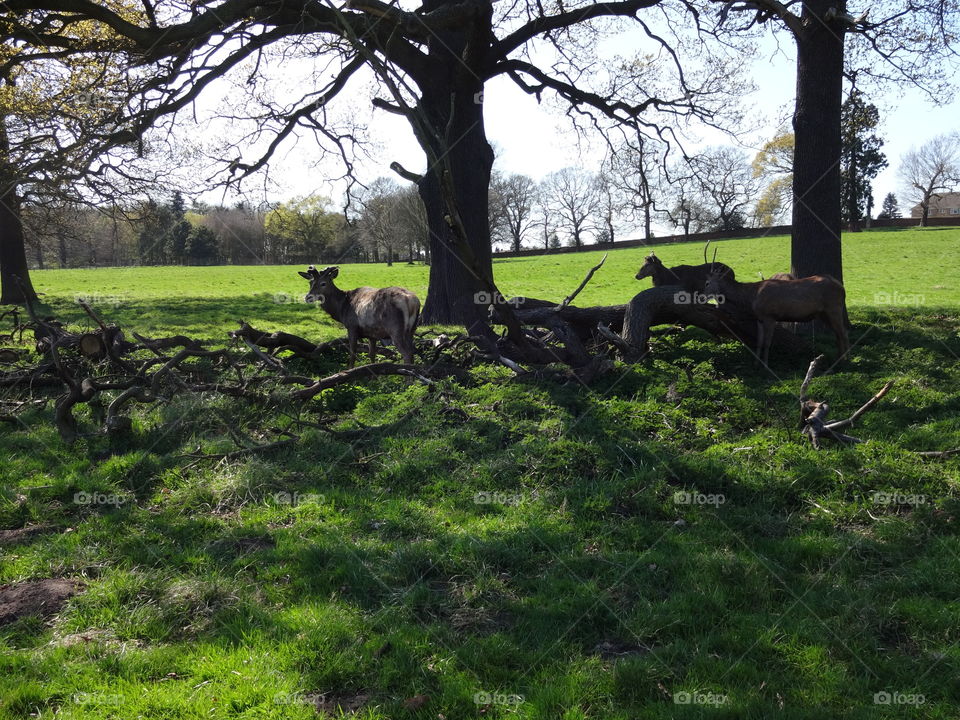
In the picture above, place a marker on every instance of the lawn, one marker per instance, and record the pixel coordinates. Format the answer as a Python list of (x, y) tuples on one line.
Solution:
[(661, 544)]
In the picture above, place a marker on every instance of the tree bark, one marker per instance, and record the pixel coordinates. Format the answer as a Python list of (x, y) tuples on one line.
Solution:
[(815, 247), (15, 285), (452, 105)]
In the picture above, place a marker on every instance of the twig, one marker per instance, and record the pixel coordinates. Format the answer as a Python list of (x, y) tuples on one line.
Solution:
[(198, 458), (268, 361), (375, 370), (614, 339), (938, 453), (569, 298), (866, 406), (808, 377), (89, 311)]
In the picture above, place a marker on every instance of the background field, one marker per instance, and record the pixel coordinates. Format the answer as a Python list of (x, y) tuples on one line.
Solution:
[(884, 264), (505, 549)]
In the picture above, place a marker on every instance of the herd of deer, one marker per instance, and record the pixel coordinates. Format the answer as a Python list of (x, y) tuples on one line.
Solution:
[(381, 313)]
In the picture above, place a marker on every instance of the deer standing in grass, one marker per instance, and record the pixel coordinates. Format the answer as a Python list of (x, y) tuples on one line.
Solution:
[(692, 278), (371, 313), (818, 297)]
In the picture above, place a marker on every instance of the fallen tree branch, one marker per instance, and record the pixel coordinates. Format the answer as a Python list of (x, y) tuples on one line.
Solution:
[(364, 372), (866, 406), (813, 414), (569, 299), (938, 453)]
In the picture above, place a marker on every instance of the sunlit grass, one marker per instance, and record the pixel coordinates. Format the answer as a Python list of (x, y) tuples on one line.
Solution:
[(506, 549)]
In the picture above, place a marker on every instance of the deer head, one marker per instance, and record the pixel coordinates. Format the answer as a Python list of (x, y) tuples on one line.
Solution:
[(715, 281), (320, 282), (650, 265)]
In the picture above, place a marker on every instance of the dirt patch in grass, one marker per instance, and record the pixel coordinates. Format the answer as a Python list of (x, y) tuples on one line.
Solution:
[(339, 705), (617, 649), (19, 535), (35, 597)]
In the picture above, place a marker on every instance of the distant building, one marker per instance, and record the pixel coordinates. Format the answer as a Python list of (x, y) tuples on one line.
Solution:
[(942, 205)]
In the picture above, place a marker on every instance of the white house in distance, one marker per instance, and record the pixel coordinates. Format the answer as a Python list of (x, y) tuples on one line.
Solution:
[(942, 205)]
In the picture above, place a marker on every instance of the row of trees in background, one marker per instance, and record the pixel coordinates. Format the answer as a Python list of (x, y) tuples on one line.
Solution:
[(388, 223), (720, 189)]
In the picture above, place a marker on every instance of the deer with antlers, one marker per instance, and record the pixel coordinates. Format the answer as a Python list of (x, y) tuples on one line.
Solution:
[(691, 278), (783, 298), (371, 313)]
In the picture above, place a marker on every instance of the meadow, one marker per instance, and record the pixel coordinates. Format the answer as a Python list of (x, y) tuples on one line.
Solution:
[(661, 544)]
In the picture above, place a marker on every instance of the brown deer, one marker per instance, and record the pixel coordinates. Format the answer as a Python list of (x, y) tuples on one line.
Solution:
[(371, 313), (786, 299), (692, 278)]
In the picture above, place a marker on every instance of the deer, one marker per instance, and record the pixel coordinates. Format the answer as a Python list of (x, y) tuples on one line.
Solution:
[(366, 312), (784, 298), (691, 277)]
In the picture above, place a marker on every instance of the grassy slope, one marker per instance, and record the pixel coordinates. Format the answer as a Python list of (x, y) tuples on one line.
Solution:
[(575, 588)]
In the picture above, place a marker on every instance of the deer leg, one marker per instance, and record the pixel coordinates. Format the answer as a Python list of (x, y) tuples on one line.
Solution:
[(372, 345), (404, 344), (767, 334), (839, 326), (760, 341), (352, 347)]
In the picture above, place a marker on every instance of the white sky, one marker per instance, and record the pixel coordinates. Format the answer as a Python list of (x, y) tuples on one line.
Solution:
[(536, 140)]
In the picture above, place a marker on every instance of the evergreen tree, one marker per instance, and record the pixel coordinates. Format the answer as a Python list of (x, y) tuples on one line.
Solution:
[(861, 159), (202, 246), (180, 231), (890, 208)]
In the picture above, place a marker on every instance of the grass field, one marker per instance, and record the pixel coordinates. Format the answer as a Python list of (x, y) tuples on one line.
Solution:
[(661, 544)]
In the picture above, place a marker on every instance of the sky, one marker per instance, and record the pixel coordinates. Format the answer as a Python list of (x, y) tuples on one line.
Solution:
[(537, 139)]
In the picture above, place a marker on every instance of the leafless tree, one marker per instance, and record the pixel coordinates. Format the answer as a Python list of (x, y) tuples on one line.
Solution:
[(544, 218), (727, 185), (411, 221), (932, 169), (517, 195), (575, 198), (241, 236), (380, 218), (636, 172), (610, 209)]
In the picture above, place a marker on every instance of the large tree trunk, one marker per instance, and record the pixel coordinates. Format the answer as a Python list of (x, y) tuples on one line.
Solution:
[(815, 248), (15, 286), (460, 144), (13, 253)]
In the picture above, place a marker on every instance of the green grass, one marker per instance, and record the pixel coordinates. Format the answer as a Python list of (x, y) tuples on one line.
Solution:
[(533, 554), (904, 267)]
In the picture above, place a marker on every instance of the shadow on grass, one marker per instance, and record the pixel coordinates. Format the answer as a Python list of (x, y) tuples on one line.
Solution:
[(601, 548)]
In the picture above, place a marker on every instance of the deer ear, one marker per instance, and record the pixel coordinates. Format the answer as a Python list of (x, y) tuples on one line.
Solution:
[(333, 271), (304, 275)]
